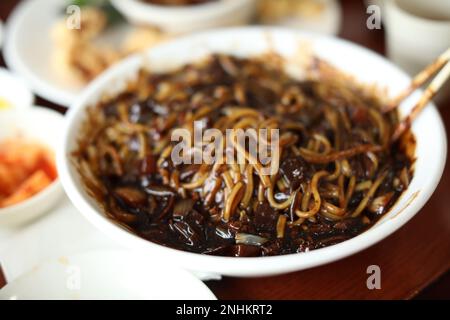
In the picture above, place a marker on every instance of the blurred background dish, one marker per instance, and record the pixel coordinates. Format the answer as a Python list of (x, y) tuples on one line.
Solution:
[(14, 93), (186, 16), (57, 61), (84, 276), (428, 21), (28, 50), (322, 16), (29, 185), (101, 39)]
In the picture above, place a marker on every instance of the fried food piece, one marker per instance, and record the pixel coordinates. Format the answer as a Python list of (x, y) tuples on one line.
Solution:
[(78, 54), (141, 39), (85, 60), (93, 23), (75, 51), (273, 11)]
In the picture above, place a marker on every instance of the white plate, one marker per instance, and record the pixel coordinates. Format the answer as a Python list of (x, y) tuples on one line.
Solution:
[(364, 65), (14, 91), (106, 275), (28, 49)]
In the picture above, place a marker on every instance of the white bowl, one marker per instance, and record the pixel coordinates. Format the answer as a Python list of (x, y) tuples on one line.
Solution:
[(44, 126), (184, 19), (365, 65)]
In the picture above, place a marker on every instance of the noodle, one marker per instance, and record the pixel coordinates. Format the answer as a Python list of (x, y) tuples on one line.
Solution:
[(231, 201), (316, 196)]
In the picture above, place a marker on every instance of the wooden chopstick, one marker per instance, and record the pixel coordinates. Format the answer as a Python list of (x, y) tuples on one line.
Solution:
[(419, 80), (427, 95)]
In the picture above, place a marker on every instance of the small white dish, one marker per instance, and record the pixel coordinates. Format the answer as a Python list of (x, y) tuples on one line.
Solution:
[(106, 275), (364, 65), (43, 126), (184, 19), (428, 22), (14, 93)]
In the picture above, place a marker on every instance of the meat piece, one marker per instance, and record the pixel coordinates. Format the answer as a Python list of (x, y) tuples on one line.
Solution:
[(242, 250), (148, 165), (294, 171), (265, 218), (188, 234), (130, 196), (182, 208)]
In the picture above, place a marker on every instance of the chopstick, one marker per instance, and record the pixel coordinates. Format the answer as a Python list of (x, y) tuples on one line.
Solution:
[(419, 80), (443, 61)]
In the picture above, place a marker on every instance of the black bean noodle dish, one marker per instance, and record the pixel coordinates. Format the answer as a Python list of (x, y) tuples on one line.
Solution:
[(339, 170)]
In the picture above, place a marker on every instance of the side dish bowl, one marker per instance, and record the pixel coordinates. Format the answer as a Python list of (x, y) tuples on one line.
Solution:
[(366, 66), (43, 127), (188, 18)]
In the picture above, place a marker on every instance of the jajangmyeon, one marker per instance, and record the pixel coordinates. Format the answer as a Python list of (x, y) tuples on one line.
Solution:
[(339, 171)]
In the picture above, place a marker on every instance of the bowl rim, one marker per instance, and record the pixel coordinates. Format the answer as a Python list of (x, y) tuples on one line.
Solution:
[(214, 7), (232, 265), (54, 188), (31, 202)]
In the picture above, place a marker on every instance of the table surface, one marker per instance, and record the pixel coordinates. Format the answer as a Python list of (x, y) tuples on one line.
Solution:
[(413, 261)]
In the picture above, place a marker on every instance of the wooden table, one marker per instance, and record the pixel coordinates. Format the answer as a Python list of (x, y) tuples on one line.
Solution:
[(413, 261)]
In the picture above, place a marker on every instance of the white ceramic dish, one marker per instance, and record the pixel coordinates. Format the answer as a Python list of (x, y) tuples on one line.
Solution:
[(184, 19), (28, 49), (365, 65), (428, 21), (108, 275), (14, 93), (43, 126)]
